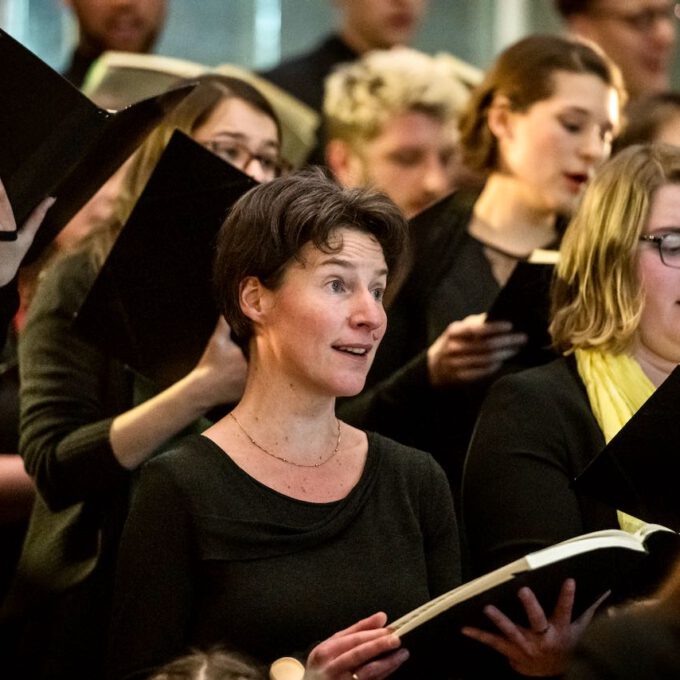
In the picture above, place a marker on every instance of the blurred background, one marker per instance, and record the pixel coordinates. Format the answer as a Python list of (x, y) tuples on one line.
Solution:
[(258, 33)]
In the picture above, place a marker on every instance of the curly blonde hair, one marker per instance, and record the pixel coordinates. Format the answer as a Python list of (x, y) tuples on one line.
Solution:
[(361, 96)]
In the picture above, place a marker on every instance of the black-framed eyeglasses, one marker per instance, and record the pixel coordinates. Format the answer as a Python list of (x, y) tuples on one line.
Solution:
[(239, 155), (668, 246), (645, 20)]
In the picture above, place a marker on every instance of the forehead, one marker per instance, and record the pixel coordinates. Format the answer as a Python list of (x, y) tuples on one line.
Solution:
[(630, 6), (345, 243), (665, 208), (236, 116), (584, 91), (414, 127), (98, 7), (376, 9)]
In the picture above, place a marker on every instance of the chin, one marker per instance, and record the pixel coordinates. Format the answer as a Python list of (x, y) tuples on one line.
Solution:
[(349, 389)]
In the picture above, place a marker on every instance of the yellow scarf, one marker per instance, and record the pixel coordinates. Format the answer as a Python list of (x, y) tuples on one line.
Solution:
[(616, 387)]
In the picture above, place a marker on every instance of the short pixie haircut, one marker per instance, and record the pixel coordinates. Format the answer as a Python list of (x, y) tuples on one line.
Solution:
[(267, 228), (597, 296), (361, 96), (214, 664), (524, 74)]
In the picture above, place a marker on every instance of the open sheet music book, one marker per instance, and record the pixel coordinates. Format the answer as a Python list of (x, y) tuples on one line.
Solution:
[(599, 561)]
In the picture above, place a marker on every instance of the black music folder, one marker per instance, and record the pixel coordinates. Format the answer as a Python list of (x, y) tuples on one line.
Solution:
[(152, 304), (525, 302), (638, 470), (56, 142)]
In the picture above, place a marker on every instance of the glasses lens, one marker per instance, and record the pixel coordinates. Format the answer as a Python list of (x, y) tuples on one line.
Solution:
[(670, 250)]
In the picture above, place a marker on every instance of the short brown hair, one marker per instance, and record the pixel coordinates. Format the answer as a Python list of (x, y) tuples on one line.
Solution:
[(215, 664), (597, 297), (267, 228), (524, 74)]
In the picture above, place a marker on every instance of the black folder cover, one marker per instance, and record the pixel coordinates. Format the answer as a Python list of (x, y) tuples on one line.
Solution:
[(638, 470), (151, 305), (525, 302), (56, 142)]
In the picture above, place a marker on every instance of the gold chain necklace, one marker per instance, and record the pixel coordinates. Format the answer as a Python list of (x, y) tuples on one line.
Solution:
[(285, 460)]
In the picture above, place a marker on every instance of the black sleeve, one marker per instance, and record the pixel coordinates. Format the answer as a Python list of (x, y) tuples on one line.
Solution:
[(628, 645), (517, 496), (153, 588), (70, 392)]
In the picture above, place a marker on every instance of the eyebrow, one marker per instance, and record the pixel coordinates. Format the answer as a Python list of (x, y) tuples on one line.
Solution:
[(346, 264), (574, 108), (239, 136)]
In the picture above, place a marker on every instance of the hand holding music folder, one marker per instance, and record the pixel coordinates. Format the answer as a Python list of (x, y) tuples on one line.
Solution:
[(638, 470), (152, 304), (525, 302), (56, 142), (601, 561)]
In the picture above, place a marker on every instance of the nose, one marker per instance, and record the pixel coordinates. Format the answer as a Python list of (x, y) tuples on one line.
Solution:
[(367, 311), (436, 178), (594, 147), (664, 32), (254, 169)]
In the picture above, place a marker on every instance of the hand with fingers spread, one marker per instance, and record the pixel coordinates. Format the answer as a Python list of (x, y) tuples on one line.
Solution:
[(471, 349), (12, 251), (365, 651), (543, 648)]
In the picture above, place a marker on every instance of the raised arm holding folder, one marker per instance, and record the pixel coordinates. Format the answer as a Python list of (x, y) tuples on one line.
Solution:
[(151, 305)]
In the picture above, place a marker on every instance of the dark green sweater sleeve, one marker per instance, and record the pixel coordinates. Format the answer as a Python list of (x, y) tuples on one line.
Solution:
[(70, 392)]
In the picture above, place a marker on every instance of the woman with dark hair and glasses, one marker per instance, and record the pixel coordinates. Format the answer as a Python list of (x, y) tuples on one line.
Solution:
[(87, 421), (616, 319)]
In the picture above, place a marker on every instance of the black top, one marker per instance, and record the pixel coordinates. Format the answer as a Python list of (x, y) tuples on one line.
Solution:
[(304, 75), (535, 434), (640, 643), (210, 555)]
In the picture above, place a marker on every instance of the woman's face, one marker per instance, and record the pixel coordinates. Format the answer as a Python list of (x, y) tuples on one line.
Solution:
[(243, 136), (658, 336), (554, 146), (322, 326)]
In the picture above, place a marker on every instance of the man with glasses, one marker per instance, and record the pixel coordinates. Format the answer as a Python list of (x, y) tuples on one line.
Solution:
[(639, 35)]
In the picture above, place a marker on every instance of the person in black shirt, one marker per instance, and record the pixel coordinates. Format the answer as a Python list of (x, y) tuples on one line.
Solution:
[(130, 26)]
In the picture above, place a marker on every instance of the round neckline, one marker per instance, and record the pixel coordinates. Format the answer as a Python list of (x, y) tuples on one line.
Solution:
[(228, 460)]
